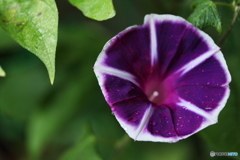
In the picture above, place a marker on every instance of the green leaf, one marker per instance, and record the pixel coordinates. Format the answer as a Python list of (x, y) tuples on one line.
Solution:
[(84, 149), (33, 24), (2, 73), (95, 9), (205, 14), (6, 41)]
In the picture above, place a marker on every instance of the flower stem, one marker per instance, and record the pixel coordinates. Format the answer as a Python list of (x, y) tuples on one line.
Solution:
[(235, 15), (119, 146), (223, 4)]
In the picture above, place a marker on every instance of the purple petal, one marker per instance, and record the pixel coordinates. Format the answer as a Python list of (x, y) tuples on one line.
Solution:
[(127, 100), (125, 54), (186, 122), (178, 43), (210, 73), (182, 44), (118, 90), (161, 123), (206, 85), (204, 97), (174, 122)]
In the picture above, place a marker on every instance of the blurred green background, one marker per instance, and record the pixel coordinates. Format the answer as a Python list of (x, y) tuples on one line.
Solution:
[(70, 120)]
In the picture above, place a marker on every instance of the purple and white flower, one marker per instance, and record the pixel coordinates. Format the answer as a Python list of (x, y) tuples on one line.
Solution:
[(164, 80)]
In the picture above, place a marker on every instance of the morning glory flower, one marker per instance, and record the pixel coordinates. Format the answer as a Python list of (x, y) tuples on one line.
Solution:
[(164, 80)]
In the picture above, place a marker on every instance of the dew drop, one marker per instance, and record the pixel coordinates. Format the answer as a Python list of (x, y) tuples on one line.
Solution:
[(184, 108), (156, 131), (136, 113), (113, 109), (208, 108)]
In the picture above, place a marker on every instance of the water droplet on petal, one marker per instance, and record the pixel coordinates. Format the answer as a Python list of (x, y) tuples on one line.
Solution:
[(154, 123), (208, 108)]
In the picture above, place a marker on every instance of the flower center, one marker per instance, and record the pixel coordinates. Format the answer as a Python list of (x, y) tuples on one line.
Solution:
[(159, 92), (154, 95)]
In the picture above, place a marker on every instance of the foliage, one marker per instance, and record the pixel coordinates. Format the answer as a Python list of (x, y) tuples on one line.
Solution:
[(95, 9), (2, 73), (205, 14), (70, 120), (33, 24)]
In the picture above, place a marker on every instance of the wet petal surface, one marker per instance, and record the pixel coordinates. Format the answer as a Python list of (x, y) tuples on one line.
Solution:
[(164, 80)]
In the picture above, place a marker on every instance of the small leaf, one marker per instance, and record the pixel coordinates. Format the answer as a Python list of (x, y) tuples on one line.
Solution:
[(84, 149), (95, 9), (205, 14), (33, 24), (2, 73)]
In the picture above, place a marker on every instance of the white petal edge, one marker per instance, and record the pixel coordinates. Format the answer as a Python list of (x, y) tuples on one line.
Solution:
[(222, 103), (219, 56)]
